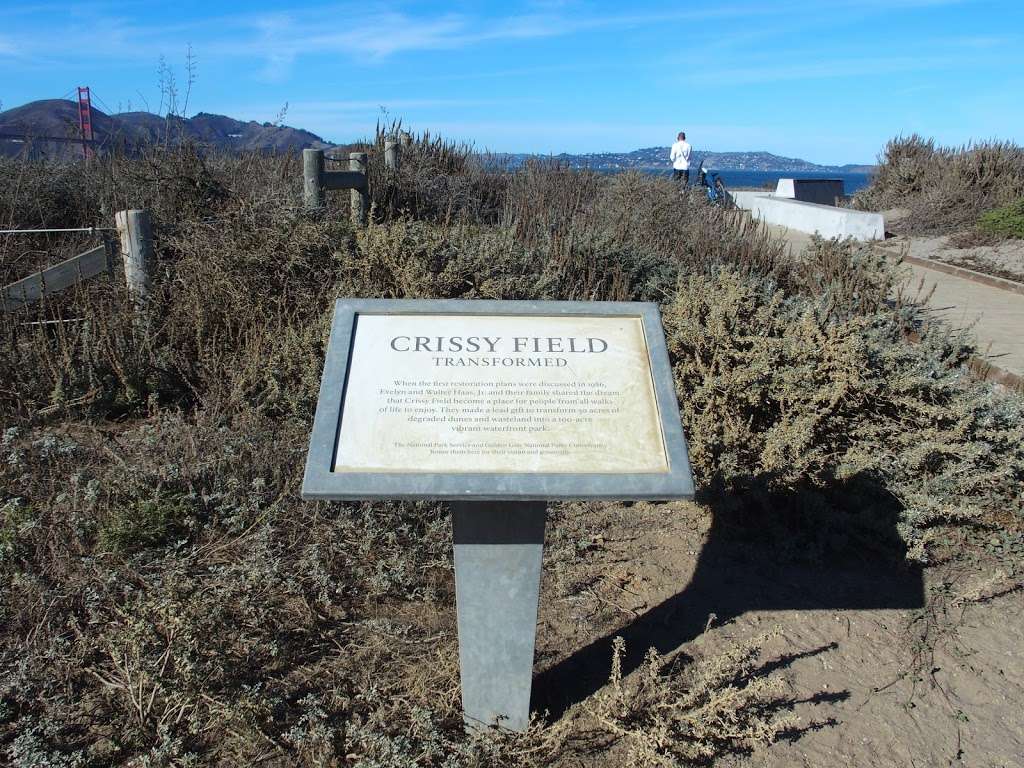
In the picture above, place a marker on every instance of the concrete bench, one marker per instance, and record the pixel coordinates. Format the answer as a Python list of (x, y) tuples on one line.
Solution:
[(825, 220)]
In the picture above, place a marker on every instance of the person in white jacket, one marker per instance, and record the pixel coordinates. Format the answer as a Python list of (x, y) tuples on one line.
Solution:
[(680, 157)]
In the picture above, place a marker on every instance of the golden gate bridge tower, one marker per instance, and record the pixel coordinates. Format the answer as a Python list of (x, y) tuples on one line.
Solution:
[(85, 120)]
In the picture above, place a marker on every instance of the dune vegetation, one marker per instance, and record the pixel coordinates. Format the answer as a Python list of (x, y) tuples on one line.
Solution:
[(167, 597), (950, 190)]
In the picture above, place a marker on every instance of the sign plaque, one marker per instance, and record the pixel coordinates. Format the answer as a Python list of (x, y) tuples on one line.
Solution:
[(497, 406)]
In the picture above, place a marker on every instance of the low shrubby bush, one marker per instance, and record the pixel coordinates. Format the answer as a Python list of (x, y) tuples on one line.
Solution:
[(945, 189), (831, 410), (437, 181), (1004, 223), (243, 280)]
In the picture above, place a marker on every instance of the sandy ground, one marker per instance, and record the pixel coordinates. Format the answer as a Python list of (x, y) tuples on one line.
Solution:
[(885, 666), (1004, 259)]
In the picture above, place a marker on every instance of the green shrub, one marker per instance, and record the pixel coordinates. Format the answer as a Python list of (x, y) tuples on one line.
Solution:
[(781, 395), (1005, 222), (142, 524)]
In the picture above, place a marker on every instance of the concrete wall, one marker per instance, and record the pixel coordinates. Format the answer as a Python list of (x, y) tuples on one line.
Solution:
[(821, 191), (744, 198), (826, 220)]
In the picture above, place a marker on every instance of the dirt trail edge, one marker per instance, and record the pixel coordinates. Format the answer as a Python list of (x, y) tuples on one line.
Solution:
[(995, 316)]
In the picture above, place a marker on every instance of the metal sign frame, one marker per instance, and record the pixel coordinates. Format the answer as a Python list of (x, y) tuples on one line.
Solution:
[(321, 482)]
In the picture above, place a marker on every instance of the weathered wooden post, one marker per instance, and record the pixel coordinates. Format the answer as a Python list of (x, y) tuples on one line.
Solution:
[(136, 232), (312, 179), (391, 155), (360, 198)]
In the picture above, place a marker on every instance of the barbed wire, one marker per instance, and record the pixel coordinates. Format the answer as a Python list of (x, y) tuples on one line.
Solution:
[(90, 230)]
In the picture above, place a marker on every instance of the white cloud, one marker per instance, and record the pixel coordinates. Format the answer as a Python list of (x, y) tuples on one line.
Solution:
[(924, 55), (279, 40)]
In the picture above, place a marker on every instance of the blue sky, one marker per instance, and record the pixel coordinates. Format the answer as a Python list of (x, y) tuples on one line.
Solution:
[(826, 81)]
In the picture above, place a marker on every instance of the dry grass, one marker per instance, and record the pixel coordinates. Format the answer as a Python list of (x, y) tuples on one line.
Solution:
[(169, 600), (672, 713)]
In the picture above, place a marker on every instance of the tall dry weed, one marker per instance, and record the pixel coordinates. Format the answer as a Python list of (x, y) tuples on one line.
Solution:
[(672, 713), (437, 180)]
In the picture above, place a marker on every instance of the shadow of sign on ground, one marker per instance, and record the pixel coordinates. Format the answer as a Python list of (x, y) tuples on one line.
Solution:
[(739, 571)]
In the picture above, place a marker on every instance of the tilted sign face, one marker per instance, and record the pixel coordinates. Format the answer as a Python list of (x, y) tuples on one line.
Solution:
[(428, 393), (478, 399)]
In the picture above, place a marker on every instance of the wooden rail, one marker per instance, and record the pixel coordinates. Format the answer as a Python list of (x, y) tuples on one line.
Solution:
[(316, 180), (343, 180), (136, 253), (95, 261)]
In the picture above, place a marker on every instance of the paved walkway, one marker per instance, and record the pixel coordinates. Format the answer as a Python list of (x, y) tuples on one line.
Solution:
[(995, 316)]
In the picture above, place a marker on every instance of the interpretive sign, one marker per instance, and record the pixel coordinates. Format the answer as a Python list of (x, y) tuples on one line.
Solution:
[(520, 394), (497, 406), (439, 398)]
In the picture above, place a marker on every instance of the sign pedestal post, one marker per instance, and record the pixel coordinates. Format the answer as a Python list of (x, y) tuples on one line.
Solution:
[(498, 551)]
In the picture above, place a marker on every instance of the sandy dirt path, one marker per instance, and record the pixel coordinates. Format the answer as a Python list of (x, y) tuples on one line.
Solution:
[(992, 315), (995, 317), (884, 665)]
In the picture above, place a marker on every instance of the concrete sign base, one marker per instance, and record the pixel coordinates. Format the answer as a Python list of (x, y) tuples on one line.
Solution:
[(498, 552)]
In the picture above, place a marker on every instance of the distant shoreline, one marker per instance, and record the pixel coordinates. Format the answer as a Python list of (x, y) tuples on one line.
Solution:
[(739, 179)]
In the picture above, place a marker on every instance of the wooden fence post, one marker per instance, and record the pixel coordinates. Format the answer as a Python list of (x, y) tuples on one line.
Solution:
[(136, 232), (360, 198), (391, 155), (312, 179)]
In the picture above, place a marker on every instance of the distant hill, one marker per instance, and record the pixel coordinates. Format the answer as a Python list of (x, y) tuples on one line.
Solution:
[(653, 158), (51, 127)]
